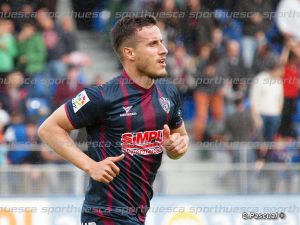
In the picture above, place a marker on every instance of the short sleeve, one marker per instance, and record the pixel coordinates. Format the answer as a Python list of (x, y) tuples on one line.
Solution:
[(176, 119), (86, 107)]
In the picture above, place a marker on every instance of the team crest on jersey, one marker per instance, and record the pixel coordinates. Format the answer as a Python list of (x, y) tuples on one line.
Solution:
[(79, 101), (165, 104), (142, 143)]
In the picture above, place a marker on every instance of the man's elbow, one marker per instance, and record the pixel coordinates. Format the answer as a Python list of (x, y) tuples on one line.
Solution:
[(42, 131)]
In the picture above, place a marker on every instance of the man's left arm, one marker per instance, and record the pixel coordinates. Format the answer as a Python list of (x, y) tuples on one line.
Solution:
[(176, 141)]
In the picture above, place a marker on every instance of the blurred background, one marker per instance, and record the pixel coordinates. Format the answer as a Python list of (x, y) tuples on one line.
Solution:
[(235, 63)]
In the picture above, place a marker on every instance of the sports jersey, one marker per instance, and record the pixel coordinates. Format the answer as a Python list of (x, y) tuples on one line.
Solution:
[(122, 117)]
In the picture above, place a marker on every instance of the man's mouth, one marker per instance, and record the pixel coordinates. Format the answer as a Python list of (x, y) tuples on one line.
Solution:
[(162, 62)]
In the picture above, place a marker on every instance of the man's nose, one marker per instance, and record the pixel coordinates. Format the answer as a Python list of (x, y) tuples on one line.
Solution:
[(163, 50)]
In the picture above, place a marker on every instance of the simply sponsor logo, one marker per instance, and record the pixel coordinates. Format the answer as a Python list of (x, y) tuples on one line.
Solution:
[(142, 143)]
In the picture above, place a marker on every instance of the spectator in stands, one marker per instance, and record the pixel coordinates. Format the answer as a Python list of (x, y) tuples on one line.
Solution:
[(218, 43), (235, 71), (263, 56), (32, 50), (68, 35), (203, 53), (240, 127), (164, 33), (235, 64), (172, 23), (55, 45), (266, 98), (290, 90), (41, 14), (33, 177), (27, 12), (10, 27), (254, 27), (33, 140), (8, 48), (230, 27), (72, 55), (69, 87), (209, 94), (22, 135), (16, 134), (14, 93), (180, 66), (195, 30), (5, 10)]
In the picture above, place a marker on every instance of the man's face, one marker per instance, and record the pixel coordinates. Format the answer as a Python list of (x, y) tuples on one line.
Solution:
[(29, 31), (150, 53), (277, 72)]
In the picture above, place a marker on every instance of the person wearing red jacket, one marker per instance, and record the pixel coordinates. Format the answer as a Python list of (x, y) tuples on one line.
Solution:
[(290, 87)]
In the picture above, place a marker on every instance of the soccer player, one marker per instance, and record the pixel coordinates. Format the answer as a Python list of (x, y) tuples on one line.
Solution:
[(130, 120)]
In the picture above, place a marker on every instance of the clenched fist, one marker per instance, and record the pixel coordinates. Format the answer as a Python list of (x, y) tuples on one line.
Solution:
[(106, 170)]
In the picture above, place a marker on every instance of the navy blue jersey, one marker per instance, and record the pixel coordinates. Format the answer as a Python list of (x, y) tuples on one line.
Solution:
[(122, 117)]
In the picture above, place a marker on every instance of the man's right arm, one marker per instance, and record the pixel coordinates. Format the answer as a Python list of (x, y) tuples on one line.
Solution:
[(55, 132)]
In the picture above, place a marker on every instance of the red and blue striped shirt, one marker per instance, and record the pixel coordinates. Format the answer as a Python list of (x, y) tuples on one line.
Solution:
[(122, 117)]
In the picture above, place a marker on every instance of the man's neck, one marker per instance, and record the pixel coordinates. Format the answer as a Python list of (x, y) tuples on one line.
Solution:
[(140, 79)]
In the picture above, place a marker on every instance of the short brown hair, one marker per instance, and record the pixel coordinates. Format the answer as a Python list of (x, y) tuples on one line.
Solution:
[(125, 29)]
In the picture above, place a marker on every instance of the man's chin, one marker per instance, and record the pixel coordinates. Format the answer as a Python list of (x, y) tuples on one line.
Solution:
[(159, 75)]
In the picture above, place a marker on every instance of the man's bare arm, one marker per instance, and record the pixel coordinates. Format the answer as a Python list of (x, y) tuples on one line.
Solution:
[(55, 132)]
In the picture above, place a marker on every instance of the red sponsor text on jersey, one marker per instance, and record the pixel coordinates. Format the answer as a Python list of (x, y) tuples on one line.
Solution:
[(142, 143)]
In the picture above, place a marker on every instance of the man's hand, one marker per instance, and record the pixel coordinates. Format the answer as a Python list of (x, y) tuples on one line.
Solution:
[(106, 170), (175, 144)]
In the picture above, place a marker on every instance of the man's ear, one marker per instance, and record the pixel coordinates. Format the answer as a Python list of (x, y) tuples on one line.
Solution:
[(128, 53)]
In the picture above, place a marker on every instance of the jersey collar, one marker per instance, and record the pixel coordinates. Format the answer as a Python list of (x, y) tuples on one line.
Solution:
[(132, 83)]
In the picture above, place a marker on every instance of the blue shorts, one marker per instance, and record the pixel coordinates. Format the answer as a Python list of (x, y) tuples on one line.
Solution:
[(91, 217)]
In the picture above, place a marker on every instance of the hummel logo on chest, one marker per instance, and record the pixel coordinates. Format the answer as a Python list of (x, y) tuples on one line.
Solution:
[(127, 113), (127, 108)]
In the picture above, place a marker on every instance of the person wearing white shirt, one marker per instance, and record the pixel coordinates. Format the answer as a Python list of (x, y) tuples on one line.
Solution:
[(266, 99)]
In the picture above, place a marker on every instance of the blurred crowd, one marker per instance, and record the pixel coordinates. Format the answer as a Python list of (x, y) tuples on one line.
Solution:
[(238, 77), (40, 69)]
